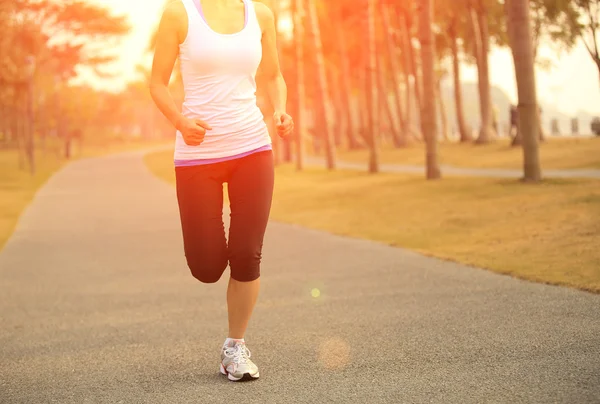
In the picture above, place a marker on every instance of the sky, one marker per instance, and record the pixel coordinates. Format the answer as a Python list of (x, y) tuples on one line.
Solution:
[(572, 84)]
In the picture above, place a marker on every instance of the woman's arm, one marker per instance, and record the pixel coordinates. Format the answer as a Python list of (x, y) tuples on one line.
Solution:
[(171, 30), (165, 55), (271, 70)]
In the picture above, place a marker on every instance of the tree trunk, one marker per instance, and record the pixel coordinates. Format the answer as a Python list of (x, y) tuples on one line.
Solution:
[(299, 119), (323, 94), (443, 114), (405, 43), (275, 139), (428, 111), (386, 109), (416, 81), (20, 132), (346, 86), (361, 104), (463, 129), (29, 122), (372, 93), (385, 104), (285, 145), (336, 105), (522, 49), (400, 138), (481, 29)]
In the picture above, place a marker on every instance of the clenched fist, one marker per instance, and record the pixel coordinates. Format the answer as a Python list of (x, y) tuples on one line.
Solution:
[(192, 130)]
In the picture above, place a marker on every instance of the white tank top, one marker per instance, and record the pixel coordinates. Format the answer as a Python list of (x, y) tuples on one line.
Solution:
[(219, 72)]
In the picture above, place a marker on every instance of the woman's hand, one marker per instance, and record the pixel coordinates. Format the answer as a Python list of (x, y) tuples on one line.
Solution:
[(192, 130), (284, 124)]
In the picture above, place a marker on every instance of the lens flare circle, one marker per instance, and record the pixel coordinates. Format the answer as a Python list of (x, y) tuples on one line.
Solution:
[(334, 353)]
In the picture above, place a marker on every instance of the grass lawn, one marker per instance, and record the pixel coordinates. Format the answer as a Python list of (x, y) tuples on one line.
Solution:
[(581, 152), (18, 187), (548, 232)]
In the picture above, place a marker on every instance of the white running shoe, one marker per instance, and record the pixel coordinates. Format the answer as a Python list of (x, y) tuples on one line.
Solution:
[(236, 363)]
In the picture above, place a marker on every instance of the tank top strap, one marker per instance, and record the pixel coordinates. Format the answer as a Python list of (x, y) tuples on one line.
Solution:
[(197, 7), (191, 9), (251, 17), (248, 10)]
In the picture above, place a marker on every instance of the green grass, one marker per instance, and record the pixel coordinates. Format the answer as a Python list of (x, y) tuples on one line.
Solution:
[(555, 153), (548, 232), (18, 186)]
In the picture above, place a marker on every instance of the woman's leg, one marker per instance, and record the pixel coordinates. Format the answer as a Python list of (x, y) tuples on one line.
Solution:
[(200, 198), (241, 299), (250, 192)]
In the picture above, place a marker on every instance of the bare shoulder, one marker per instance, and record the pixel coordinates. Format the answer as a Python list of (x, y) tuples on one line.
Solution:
[(264, 14), (175, 11), (174, 20)]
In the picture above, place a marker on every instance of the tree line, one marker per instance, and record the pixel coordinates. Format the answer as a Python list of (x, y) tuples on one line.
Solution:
[(369, 72), (44, 46), (361, 74)]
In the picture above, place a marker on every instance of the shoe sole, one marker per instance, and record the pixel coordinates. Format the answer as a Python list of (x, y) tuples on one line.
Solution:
[(247, 377)]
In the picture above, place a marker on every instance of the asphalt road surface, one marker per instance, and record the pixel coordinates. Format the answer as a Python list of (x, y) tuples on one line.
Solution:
[(97, 306)]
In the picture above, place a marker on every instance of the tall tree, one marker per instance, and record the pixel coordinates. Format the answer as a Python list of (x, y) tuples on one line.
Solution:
[(323, 101), (402, 52), (54, 39), (386, 108), (521, 42), (298, 16), (278, 143), (440, 99), (389, 117), (372, 88), (478, 10), (429, 121), (451, 15), (394, 69), (412, 56), (345, 75)]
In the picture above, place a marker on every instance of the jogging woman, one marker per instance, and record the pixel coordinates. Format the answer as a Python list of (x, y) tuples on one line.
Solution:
[(222, 138)]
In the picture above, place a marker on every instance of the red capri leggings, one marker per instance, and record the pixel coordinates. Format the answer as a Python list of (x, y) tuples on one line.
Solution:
[(200, 196)]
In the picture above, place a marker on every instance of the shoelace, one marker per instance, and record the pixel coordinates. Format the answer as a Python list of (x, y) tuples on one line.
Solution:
[(239, 353)]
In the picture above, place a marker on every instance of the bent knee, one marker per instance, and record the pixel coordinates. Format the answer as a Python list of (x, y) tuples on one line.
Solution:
[(207, 271), (245, 268)]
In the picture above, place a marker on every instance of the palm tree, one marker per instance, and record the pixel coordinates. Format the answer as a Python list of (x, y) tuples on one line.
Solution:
[(345, 79), (323, 93), (481, 39), (298, 14), (428, 116), (520, 38), (404, 44), (412, 55), (372, 88), (463, 128), (400, 140)]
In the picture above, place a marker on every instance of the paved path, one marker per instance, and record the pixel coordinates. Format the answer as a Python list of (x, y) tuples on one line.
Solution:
[(462, 172), (97, 306)]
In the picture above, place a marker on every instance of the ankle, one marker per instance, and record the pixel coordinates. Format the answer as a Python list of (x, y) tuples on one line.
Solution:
[(233, 341)]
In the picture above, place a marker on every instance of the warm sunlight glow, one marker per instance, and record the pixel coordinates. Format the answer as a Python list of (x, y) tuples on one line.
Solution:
[(564, 84), (315, 293), (285, 26)]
